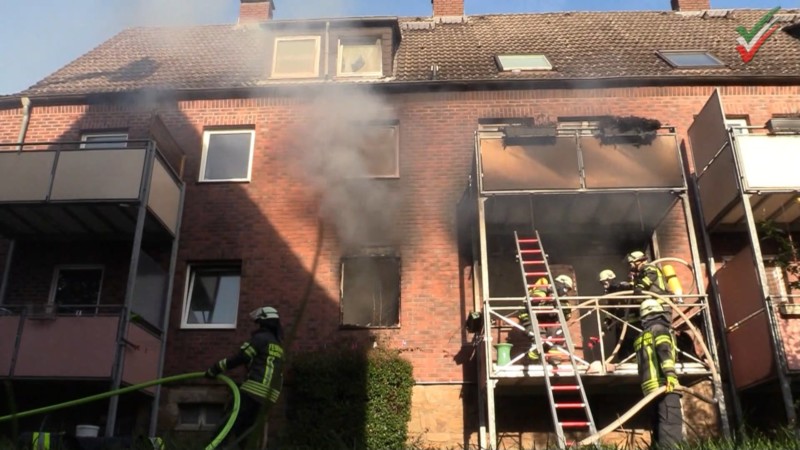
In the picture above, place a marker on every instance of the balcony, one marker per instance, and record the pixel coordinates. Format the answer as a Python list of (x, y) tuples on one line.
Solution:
[(40, 344), (58, 189)]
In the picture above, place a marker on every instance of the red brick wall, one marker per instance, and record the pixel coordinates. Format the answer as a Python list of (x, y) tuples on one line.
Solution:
[(448, 7), (271, 223), (255, 11), (690, 5)]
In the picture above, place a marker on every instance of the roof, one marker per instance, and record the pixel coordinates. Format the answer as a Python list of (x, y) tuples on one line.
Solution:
[(580, 45)]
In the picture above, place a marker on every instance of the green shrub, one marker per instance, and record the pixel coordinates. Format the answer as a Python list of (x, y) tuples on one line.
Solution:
[(348, 399)]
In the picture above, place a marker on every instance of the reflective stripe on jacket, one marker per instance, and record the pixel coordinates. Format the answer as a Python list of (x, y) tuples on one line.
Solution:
[(263, 356), (655, 354)]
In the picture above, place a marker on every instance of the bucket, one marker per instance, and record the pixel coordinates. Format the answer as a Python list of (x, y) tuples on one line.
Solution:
[(503, 353), (87, 431)]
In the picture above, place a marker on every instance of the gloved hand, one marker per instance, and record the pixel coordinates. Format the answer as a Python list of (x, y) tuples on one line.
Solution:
[(213, 371), (672, 383)]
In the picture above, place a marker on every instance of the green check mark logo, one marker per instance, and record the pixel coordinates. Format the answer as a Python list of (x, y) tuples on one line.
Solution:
[(748, 35)]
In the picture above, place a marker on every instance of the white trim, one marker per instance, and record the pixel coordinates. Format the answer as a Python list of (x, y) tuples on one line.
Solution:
[(109, 135), (736, 123), (203, 159), (340, 55), (51, 298), (523, 68), (187, 295), (280, 39)]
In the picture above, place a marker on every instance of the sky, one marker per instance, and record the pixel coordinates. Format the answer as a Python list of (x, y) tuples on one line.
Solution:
[(37, 37)]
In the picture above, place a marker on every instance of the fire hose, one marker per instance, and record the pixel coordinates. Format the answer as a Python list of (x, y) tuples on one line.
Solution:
[(187, 376)]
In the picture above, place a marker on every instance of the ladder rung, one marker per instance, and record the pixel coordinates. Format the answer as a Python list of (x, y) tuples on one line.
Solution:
[(570, 405), (530, 250), (575, 424), (533, 274), (528, 240), (533, 262), (565, 387)]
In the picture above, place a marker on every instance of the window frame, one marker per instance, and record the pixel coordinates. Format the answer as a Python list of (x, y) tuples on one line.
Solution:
[(501, 67), (51, 299), (340, 55), (317, 50), (737, 122), (204, 156), (398, 265), (203, 409), (664, 55), (585, 128), (191, 271), (104, 134), (382, 124)]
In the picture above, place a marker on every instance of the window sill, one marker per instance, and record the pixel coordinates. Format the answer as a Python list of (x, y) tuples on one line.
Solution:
[(222, 181), (789, 309)]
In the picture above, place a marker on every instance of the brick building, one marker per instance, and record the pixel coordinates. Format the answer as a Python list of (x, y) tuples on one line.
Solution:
[(186, 176)]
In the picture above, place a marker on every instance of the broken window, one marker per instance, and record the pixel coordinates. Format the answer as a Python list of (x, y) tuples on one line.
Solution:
[(76, 289), (583, 127), (370, 291), (212, 296), (377, 146), (296, 57), (360, 57)]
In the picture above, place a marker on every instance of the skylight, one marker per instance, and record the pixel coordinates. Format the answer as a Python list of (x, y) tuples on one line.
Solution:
[(690, 59), (508, 63)]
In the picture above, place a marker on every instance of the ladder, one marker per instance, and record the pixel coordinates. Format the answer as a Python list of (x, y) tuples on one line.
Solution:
[(569, 406)]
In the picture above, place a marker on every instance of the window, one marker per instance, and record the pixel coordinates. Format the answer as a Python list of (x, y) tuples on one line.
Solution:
[(377, 146), (370, 291), (227, 155), (690, 59), (737, 122), (296, 57), (508, 63), (212, 297), (579, 126), (104, 140), (360, 57), (76, 289), (199, 416)]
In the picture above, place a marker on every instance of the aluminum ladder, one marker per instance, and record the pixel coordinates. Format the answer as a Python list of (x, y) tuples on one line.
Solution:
[(569, 406)]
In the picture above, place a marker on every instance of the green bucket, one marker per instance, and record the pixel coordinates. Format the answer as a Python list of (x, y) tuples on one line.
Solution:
[(503, 353)]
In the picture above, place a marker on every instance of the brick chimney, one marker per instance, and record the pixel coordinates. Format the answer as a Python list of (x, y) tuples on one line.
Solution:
[(448, 7), (690, 5), (251, 11)]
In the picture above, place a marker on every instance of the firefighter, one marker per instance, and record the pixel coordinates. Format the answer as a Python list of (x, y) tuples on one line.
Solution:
[(656, 354), (646, 276), (263, 356), (551, 336), (608, 279)]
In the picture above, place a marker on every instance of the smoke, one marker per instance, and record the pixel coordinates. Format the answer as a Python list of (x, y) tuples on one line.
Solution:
[(349, 143)]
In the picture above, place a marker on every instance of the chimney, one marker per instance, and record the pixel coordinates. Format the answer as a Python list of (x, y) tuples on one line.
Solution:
[(690, 5), (252, 11), (448, 7)]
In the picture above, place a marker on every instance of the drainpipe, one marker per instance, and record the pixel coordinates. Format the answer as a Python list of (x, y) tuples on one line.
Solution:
[(26, 118)]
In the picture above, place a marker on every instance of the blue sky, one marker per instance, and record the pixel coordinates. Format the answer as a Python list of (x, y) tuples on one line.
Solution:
[(37, 37)]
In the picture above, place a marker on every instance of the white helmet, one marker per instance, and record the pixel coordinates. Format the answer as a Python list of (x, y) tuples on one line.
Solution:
[(607, 275), (566, 281), (265, 312), (650, 306)]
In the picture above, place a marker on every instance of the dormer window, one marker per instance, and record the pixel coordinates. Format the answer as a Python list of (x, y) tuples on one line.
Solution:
[(518, 63), (690, 59), (296, 57), (360, 57)]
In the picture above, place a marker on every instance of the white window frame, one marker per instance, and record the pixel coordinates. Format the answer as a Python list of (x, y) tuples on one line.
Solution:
[(206, 138), (108, 135), (737, 122), (280, 39), (51, 300), (344, 41), (187, 296), (200, 425), (583, 128), (523, 68)]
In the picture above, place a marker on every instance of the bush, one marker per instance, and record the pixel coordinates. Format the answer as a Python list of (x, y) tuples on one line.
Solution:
[(348, 399)]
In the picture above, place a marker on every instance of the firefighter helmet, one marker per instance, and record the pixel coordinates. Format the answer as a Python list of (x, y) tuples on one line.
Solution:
[(635, 256), (265, 312), (607, 275), (566, 281), (650, 306)]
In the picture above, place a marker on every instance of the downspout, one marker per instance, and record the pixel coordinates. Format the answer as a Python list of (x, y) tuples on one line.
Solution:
[(26, 118)]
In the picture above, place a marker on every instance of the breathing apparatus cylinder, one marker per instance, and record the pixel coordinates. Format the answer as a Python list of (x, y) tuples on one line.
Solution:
[(673, 283)]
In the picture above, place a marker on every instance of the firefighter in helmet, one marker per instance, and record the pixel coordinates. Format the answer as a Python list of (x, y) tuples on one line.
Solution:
[(262, 354), (646, 276), (542, 294), (608, 279), (656, 354)]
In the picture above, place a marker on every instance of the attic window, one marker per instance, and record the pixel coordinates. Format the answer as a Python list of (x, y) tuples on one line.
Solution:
[(515, 63), (296, 57), (690, 59)]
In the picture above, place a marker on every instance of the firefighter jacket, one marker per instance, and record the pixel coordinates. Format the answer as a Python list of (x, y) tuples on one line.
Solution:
[(650, 278), (542, 289), (655, 354), (263, 356)]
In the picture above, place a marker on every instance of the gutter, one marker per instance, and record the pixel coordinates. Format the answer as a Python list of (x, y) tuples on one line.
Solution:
[(26, 118), (395, 86)]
